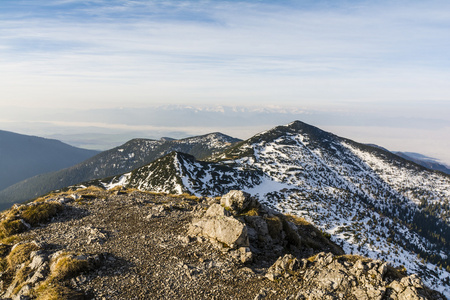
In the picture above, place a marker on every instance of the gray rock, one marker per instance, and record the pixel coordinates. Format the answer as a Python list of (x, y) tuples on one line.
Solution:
[(284, 267), (262, 294), (246, 255), (237, 201), (227, 230), (260, 226), (217, 210), (40, 274), (38, 259)]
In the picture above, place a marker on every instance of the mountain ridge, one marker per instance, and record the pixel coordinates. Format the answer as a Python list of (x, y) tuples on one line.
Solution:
[(124, 158)]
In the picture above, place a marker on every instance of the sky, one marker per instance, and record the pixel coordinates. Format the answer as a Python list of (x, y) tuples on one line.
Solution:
[(97, 73)]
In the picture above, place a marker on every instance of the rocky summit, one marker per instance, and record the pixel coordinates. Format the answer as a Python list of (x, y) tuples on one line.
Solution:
[(120, 243)]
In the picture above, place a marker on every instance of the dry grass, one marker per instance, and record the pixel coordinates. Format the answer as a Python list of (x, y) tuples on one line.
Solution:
[(312, 258), (396, 273), (90, 189), (13, 219), (42, 212), (352, 258), (3, 264), (65, 267), (251, 212), (53, 290), (68, 266), (4, 249), (299, 221), (184, 196), (10, 226), (20, 254), (21, 277), (115, 189), (152, 193), (13, 239)]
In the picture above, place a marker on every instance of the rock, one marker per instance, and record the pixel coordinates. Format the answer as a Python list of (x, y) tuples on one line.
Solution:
[(61, 200), (237, 201), (38, 259), (283, 267), (262, 294), (246, 255), (324, 259), (412, 280), (75, 196), (217, 210), (158, 259), (95, 235), (226, 230), (259, 225), (24, 293), (40, 274), (410, 293)]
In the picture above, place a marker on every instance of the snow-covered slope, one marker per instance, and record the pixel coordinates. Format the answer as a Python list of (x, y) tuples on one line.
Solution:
[(371, 201)]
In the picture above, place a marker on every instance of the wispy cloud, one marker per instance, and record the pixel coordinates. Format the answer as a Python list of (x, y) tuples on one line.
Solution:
[(223, 44), (362, 60)]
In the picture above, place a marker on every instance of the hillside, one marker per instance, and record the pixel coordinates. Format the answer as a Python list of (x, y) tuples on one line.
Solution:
[(371, 201), (24, 156), (124, 158), (125, 244)]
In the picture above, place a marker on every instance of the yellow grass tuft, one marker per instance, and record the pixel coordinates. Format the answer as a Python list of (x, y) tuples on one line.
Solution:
[(68, 266), (20, 254), (10, 227), (297, 220), (35, 214)]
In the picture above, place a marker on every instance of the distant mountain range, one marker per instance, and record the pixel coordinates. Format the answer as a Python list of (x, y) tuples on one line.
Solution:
[(24, 156), (425, 161), (370, 201), (124, 158)]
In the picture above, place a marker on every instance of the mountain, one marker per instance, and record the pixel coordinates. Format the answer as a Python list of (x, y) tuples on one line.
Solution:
[(428, 162), (124, 158), (24, 156), (370, 201)]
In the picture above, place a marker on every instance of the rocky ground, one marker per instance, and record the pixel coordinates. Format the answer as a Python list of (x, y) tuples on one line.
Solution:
[(133, 245)]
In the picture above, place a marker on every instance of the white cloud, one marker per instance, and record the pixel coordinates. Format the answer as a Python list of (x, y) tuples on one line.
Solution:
[(352, 58)]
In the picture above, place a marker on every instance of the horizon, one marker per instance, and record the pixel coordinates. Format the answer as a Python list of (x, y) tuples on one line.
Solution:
[(107, 70), (106, 141)]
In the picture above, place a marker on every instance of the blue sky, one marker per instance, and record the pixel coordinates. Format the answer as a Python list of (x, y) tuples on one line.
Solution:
[(374, 71)]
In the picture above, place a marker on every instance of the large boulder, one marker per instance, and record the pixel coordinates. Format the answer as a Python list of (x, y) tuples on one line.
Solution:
[(228, 231)]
